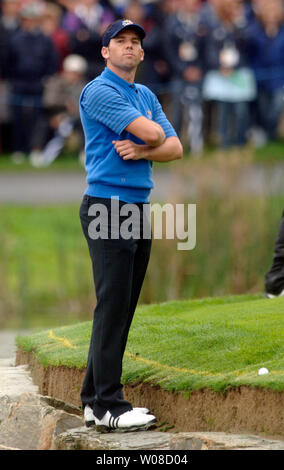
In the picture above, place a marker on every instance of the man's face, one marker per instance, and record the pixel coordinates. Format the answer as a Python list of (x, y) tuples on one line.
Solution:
[(270, 12), (190, 5), (124, 51), (10, 8)]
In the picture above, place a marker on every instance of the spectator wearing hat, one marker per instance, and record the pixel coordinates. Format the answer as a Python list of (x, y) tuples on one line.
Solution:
[(61, 118), (31, 59)]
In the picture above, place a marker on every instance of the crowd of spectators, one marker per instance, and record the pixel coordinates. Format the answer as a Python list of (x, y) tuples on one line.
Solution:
[(218, 65)]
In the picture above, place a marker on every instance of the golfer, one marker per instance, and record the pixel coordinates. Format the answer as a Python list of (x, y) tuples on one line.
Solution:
[(125, 131)]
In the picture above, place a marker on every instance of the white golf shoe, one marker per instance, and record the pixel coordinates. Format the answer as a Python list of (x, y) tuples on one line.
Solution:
[(141, 410), (137, 418), (89, 416)]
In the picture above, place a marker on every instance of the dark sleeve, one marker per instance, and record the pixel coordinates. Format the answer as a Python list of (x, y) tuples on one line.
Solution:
[(52, 58)]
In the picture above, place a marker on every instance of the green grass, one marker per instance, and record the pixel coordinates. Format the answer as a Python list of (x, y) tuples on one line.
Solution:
[(272, 151), (45, 272), (65, 162), (214, 343)]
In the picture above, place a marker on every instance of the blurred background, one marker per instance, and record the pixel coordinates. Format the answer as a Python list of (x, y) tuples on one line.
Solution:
[(217, 67)]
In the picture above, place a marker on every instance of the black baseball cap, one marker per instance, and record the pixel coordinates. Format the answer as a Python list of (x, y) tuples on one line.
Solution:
[(118, 26)]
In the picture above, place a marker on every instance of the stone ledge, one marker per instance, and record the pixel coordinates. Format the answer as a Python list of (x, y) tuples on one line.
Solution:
[(222, 441), (36, 422), (89, 439)]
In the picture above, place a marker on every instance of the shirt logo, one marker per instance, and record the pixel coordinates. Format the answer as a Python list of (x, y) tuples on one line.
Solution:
[(149, 114), (127, 22)]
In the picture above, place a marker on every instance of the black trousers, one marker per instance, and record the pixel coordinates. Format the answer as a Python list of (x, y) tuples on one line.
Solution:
[(274, 278), (119, 267)]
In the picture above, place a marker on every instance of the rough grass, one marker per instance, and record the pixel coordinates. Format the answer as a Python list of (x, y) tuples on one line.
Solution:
[(46, 275), (214, 343)]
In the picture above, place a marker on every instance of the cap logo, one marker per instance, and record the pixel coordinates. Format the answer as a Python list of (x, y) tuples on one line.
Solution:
[(127, 22)]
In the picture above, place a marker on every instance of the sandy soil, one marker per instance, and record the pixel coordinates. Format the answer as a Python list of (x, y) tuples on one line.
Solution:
[(239, 410)]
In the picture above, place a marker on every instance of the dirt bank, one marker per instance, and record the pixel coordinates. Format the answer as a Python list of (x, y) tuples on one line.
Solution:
[(242, 409)]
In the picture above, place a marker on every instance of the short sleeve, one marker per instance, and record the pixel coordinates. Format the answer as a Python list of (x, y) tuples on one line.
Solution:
[(107, 106)]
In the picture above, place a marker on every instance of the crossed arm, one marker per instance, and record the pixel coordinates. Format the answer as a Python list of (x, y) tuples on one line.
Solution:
[(157, 147)]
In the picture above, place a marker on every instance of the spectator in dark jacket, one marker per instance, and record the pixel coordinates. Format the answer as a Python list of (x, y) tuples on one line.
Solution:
[(183, 49), (32, 58), (274, 277), (265, 48), (8, 25)]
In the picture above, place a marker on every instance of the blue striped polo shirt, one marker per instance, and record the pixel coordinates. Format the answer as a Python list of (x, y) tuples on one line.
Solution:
[(107, 105)]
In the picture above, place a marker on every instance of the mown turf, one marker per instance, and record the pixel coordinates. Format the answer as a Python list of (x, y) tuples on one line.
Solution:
[(184, 345)]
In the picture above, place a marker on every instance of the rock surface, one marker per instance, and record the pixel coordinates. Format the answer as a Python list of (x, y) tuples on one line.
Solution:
[(29, 423), (14, 381), (222, 441), (88, 439), (28, 420)]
